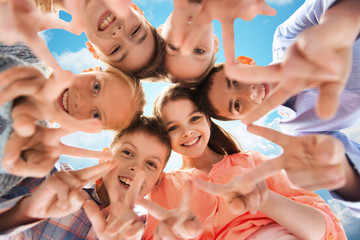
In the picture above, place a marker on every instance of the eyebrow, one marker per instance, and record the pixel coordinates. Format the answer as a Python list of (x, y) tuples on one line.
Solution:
[(141, 40), (228, 83), (168, 123)]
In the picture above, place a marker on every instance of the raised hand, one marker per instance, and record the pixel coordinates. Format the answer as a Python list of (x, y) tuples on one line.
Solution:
[(320, 57), (179, 223), (226, 11), (122, 222), (62, 194), (35, 156), (243, 193), (39, 100), (312, 162)]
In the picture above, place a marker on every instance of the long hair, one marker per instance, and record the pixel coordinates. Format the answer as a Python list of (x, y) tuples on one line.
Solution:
[(220, 141)]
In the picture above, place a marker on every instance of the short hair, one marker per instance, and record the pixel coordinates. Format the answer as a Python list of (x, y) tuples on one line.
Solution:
[(192, 82), (202, 94), (149, 125), (220, 141), (137, 100)]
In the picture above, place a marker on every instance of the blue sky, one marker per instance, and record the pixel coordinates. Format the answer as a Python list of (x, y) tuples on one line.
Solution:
[(253, 39)]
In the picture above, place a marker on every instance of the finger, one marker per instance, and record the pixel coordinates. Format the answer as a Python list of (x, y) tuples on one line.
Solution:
[(254, 74), (123, 223), (113, 187), (164, 232), (17, 76), (254, 200), (228, 41), (212, 188), (89, 174), (186, 199), (62, 191), (12, 150), (328, 100), (238, 205), (86, 153), (134, 189), (136, 230), (276, 98), (192, 228), (95, 216), (154, 209), (24, 125), (272, 135)]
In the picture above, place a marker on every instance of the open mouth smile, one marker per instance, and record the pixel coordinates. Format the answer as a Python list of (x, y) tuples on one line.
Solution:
[(192, 142), (64, 101), (105, 20)]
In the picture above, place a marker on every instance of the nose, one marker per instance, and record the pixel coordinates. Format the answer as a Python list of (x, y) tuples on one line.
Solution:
[(133, 167), (116, 31), (188, 132), (251, 91), (81, 101)]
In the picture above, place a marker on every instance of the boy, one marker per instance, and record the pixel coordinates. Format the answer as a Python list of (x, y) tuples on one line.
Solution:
[(142, 147)]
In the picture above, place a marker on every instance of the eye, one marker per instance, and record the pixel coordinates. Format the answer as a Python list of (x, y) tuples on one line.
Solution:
[(172, 47), (193, 119), (152, 164), (96, 115), (171, 129), (237, 105), (127, 153), (199, 51), (116, 49), (136, 31), (96, 87), (235, 83)]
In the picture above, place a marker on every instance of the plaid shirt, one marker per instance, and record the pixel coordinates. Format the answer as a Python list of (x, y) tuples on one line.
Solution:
[(73, 226)]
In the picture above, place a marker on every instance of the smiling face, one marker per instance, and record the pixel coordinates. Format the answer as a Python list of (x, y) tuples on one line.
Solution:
[(194, 65), (125, 43), (188, 129), (234, 100), (139, 151), (96, 95)]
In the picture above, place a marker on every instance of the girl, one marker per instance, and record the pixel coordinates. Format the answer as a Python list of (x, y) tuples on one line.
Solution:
[(130, 43), (192, 134)]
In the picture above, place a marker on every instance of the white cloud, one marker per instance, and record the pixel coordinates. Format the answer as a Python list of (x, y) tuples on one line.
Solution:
[(347, 218), (46, 35), (77, 61), (280, 2)]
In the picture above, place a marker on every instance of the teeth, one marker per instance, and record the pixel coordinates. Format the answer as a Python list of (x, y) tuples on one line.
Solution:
[(191, 142), (125, 180), (108, 18), (65, 100), (263, 91)]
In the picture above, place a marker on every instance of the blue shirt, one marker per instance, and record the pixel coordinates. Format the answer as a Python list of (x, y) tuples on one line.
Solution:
[(299, 116)]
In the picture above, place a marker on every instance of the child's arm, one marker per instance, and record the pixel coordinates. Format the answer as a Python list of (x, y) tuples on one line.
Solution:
[(242, 195), (319, 57), (122, 222), (36, 155), (60, 195), (175, 223)]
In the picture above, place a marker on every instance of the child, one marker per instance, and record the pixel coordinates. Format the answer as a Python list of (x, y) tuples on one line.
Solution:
[(143, 147), (190, 135), (131, 44)]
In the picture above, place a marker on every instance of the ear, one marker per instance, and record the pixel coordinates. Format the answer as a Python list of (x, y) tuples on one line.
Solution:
[(136, 8), (216, 43), (91, 48)]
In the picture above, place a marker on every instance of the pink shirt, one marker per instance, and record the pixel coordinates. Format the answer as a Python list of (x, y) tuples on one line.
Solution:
[(218, 222)]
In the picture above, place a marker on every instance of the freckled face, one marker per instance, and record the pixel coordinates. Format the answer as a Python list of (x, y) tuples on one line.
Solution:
[(125, 43), (139, 151), (98, 95), (188, 129), (233, 99)]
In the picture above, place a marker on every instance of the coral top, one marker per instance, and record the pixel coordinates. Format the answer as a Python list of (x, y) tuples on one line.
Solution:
[(218, 222)]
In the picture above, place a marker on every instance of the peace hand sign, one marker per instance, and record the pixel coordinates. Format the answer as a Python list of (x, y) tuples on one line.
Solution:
[(179, 223), (123, 222), (312, 162)]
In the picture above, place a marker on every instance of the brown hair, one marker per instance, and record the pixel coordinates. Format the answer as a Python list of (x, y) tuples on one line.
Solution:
[(137, 100), (220, 141), (202, 97), (192, 82), (155, 70), (150, 125)]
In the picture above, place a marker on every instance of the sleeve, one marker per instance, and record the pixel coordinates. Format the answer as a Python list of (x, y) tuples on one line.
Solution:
[(281, 184), (305, 16)]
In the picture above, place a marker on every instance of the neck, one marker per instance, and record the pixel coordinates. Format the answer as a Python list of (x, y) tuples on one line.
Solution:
[(204, 162)]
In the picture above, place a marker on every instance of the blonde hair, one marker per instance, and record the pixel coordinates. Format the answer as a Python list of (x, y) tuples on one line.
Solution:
[(137, 100)]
